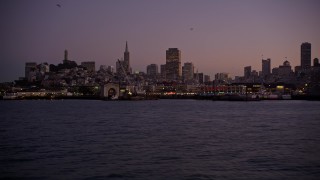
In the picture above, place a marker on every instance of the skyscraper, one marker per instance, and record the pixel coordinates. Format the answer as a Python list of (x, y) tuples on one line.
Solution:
[(152, 71), (126, 60), (266, 67), (187, 71), (198, 77), (285, 69), (305, 56), (163, 71), (173, 64), (222, 78), (206, 78), (29, 67), (316, 62), (31, 71), (247, 71), (123, 66)]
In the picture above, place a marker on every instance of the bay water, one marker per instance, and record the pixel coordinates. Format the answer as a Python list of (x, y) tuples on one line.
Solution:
[(159, 139)]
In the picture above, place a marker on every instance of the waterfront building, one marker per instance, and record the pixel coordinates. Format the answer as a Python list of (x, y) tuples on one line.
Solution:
[(188, 72), (90, 65), (152, 71), (110, 91), (173, 64), (266, 67), (305, 56)]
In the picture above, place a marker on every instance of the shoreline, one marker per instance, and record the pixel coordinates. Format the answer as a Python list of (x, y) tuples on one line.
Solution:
[(196, 97)]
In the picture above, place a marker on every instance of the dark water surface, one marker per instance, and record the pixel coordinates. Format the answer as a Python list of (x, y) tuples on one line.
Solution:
[(161, 139)]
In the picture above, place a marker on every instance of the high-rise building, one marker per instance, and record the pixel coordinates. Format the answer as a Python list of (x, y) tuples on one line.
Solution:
[(285, 69), (275, 71), (126, 60), (206, 78), (110, 69), (201, 78), (120, 68), (30, 71), (123, 66), (163, 71), (198, 77), (316, 62), (187, 71), (222, 78), (254, 75), (152, 71), (266, 67), (247, 71), (30, 67), (173, 64), (43, 68), (90, 65), (305, 56)]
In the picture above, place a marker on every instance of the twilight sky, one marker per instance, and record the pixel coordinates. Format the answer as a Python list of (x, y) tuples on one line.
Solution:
[(216, 35)]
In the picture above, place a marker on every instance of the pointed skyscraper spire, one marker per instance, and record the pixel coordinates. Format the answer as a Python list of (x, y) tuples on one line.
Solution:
[(127, 50), (126, 60)]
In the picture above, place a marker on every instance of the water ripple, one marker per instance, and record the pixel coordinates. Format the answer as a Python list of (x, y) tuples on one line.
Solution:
[(164, 139)]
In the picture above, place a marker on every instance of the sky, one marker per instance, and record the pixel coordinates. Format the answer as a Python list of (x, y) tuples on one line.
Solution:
[(216, 35)]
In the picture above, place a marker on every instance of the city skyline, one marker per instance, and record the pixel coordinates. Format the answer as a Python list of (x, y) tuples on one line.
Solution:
[(216, 36)]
